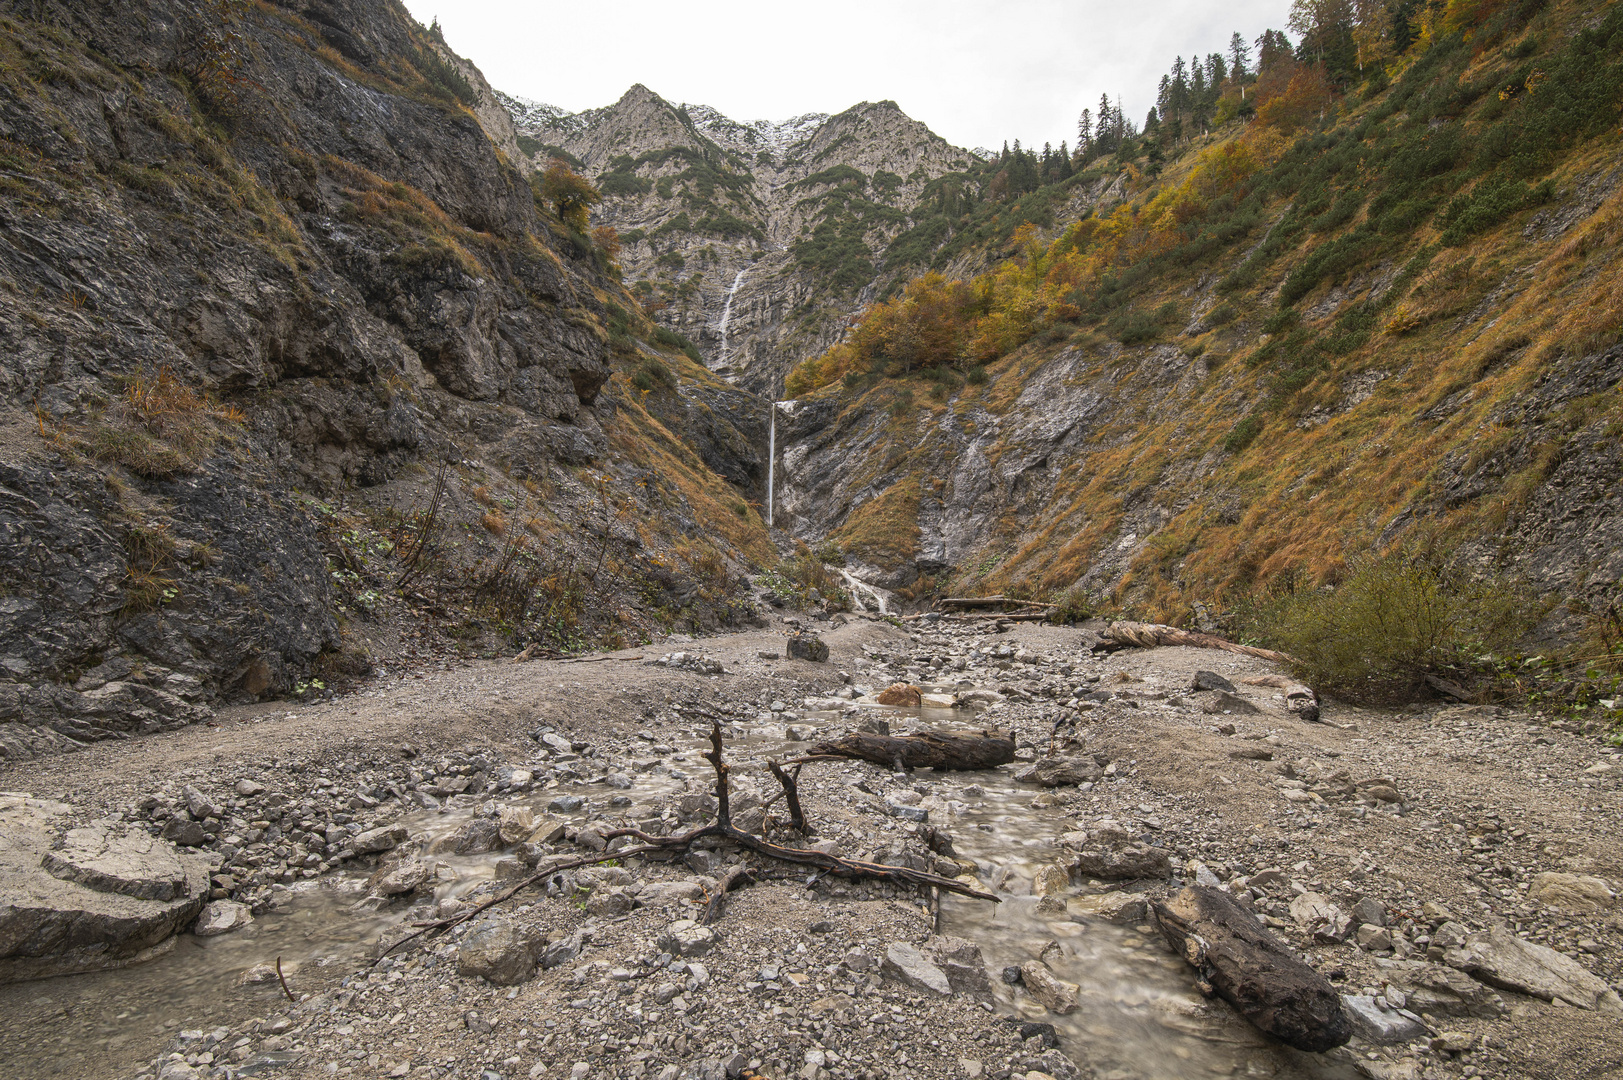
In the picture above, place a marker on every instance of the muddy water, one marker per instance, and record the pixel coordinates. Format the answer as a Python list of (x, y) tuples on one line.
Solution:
[(1140, 1018)]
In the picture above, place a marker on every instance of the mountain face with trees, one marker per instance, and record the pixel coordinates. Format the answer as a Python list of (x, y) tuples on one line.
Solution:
[(783, 230), (1357, 289), (299, 356)]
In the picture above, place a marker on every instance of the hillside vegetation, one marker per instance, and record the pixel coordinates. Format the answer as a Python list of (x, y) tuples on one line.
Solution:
[(1367, 292)]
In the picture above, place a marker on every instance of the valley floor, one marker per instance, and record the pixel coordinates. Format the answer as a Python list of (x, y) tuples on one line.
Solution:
[(1437, 821)]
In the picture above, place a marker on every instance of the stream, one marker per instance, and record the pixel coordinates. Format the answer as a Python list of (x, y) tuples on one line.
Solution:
[(1141, 1017)]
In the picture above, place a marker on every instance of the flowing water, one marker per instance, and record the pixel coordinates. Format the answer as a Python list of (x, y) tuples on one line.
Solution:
[(1141, 1017), (727, 317), (863, 595)]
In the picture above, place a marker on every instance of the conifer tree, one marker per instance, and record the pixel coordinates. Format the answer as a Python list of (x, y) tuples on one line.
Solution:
[(1239, 56)]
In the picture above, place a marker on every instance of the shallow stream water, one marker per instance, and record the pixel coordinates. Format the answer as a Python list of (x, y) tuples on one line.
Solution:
[(1140, 1018)]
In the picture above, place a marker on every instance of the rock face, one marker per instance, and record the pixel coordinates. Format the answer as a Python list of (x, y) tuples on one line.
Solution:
[(723, 221), (297, 281), (1239, 960), (105, 899), (1055, 994), (913, 968)]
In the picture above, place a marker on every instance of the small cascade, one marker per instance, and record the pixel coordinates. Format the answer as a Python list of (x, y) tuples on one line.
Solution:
[(727, 316), (876, 596)]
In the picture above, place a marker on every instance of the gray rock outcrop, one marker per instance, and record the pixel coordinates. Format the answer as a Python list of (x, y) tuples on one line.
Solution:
[(103, 899)]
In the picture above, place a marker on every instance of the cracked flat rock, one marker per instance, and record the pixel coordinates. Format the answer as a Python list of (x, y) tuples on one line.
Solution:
[(79, 908), (1501, 959), (133, 864)]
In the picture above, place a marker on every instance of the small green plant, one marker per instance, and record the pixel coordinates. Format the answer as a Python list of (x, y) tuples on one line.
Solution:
[(1242, 434), (1073, 605)]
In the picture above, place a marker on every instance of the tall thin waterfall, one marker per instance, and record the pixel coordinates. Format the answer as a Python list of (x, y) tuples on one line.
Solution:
[(727, 316), (771, 459)]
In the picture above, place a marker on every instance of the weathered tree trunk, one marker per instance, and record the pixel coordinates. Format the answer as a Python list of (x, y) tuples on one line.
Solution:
[(932, 749), (1243, 963), (1148, 635), (960, 602)]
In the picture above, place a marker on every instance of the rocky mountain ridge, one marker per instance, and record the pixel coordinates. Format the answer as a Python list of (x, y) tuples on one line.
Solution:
[(781, 230)]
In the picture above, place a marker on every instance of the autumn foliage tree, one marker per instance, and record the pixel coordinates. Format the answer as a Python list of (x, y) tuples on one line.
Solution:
[(568, 194)]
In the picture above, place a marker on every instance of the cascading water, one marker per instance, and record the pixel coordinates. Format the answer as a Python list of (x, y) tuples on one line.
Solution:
[(727, 316), (771, 459)]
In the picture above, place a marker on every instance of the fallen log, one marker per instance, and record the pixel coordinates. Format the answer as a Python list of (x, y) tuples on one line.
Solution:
[(930, 749), (1018, 616), (953, 602), (1149, 635), (1300, 698), (1240, 961)]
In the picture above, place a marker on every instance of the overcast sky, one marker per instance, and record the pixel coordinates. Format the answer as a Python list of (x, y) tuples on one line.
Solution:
[(976, 72)]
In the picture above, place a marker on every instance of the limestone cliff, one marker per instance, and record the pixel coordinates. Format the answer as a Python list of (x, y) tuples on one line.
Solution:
[(279, 307), (757, 241)]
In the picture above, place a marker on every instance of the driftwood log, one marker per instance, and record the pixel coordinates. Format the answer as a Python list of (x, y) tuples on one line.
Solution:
[(1240, 961), (722, 829), (1140, 635), (930, 749), (1300, 698), (962, 602)]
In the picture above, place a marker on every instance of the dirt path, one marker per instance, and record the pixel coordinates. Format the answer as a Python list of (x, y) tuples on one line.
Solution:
[(1442, 817)]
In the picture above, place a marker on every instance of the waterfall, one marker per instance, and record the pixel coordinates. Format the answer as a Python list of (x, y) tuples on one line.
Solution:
[(727, 315), (771, 459), (860, 588)]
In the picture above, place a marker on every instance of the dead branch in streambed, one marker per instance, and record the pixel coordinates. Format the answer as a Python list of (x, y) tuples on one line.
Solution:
[(1121, 635), (930, 749), (723, 829)]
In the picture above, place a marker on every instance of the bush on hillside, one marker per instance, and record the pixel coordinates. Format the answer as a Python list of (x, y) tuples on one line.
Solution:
[(1391, 621)]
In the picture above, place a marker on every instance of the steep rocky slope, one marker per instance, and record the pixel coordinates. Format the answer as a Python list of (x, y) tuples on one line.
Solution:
[(1292, 345), (286, 325), (757, 241)]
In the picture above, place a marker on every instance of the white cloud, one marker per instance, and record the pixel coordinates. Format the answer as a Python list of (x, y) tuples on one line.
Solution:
[(976, 72)]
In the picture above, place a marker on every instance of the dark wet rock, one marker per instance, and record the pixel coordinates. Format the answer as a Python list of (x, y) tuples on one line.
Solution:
[(1241, 961), (498, 950), (1060, 772), (1123, 863), (807, 647)]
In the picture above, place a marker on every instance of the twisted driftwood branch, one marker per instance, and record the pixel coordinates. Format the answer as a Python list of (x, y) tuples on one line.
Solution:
[(722, 828)]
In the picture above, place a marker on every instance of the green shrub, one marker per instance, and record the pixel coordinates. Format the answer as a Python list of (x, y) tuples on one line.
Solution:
[(1393, 620), (1496, 198), (1136, 327), (1073, 605), (1242, 434), (976, 376)]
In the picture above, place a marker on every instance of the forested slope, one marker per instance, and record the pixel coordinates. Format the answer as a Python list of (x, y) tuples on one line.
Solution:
[(1368, 292)]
